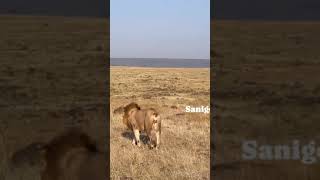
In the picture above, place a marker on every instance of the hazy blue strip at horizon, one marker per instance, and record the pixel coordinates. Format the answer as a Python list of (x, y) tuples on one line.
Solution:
[(173, 63)]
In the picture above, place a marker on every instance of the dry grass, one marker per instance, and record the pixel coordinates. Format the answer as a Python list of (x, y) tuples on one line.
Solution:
[(52, 77), (184, 151), (267, 90)]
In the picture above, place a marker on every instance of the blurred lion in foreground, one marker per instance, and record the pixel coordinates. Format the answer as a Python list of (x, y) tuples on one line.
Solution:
[(70, 156), (147, 120)]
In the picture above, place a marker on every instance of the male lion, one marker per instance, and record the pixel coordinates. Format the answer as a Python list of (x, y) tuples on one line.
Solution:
[(148, 120), (70, 156)]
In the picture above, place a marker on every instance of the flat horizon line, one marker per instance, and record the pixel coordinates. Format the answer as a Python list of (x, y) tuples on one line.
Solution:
[(267, 20), (161, 58), (156, 67), (52, 15)]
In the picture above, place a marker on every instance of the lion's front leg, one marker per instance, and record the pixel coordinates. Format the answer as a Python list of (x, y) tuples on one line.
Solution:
[(150, 142), (137, 136), (158, 139)]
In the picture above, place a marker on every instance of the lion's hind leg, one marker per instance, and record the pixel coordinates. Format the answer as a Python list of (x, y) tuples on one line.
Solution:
[(134, 141), (137, 137)]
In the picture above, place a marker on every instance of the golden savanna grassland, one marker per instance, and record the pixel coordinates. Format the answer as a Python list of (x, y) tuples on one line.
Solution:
[(52, 77), (185, 142), (267, 89)]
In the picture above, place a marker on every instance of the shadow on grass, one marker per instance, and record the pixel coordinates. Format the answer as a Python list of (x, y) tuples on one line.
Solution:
[(129, 135)]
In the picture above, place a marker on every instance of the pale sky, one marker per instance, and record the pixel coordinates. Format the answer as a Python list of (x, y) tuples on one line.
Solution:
[(160, 29)]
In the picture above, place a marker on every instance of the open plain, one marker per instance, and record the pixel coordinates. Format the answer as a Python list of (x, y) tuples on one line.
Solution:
[(52, 77), (184, 151), (267, 89)]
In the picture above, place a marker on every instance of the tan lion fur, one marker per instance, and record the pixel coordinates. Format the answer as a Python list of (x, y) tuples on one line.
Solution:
[(73, 155), (147, 120)]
